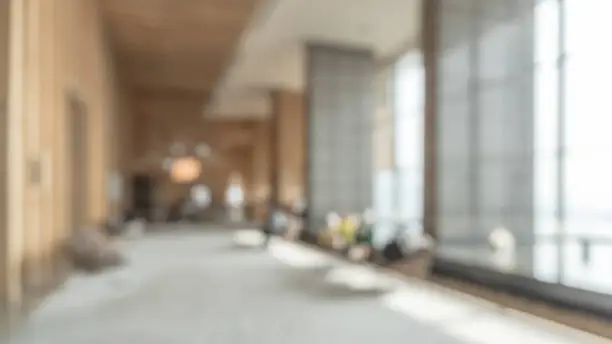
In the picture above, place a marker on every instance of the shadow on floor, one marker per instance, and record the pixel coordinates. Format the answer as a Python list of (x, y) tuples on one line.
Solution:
[(235, 248), (313, 283)]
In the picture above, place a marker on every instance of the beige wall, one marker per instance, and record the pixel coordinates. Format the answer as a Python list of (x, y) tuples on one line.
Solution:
[(4, 25), (57, 47), (290, 114)]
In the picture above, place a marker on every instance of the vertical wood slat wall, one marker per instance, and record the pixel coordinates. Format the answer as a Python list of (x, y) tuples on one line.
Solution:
[(15, 160), (31, 261), (55, 47), (4, 70)]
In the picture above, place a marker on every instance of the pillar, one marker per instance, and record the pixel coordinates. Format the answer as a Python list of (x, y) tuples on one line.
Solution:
[(429, 42), (261, 170), (290, 135)]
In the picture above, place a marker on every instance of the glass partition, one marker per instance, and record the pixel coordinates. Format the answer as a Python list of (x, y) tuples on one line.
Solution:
[(586, 250), (408, 108), (398, 140), (522, 135), (384, 173)]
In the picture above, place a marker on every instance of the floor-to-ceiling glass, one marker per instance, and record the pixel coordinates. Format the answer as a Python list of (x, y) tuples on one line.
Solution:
[(485, 134), (384, 180), (408, 108), (398, 139), (523, 136), (573, 214), (587, 143), (547, 62)]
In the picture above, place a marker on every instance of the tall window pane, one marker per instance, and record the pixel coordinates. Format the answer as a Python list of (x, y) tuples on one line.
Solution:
[(486, 135), (546, 173), (587, 144), (409, 97), (546, 31), (588, 167), (529, 147), (587, 22), (384, 206), (384, 181), (547, 51)]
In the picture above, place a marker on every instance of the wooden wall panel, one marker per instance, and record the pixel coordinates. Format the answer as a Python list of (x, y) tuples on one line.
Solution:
[(59, 49), (56, 48), (159, 122), (4, 71), (261, 169), (291, 135), (32, 234), (16, 153)]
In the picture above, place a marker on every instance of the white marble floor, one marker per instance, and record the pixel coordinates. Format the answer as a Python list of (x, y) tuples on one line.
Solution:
[(201, 287)]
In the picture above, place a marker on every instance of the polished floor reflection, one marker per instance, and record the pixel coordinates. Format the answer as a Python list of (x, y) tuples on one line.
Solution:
[(187, 286)]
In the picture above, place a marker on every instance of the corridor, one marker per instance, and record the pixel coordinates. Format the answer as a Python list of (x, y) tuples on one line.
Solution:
[(439, 118), (188, 286)]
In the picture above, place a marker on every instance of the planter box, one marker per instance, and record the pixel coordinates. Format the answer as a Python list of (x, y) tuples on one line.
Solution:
[(417, 265)]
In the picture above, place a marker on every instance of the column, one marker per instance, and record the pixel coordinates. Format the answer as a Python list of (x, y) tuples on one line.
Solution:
[(261, 169), (429, 39), (290, 132)]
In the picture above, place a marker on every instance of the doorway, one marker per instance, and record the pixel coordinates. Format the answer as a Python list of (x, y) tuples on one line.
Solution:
[(142, 196), (78, 139)]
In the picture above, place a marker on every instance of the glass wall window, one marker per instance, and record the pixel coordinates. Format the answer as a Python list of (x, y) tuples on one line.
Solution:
[(398, 140), (547, 58), (384, 180), (524, 138), (485, 134), (409, 141), (587, 165)]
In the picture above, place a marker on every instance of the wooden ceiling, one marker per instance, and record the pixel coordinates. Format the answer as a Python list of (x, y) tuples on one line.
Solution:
[(175, 45)]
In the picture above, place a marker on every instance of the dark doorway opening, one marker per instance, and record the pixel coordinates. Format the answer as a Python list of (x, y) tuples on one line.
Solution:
[(142, 196)]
